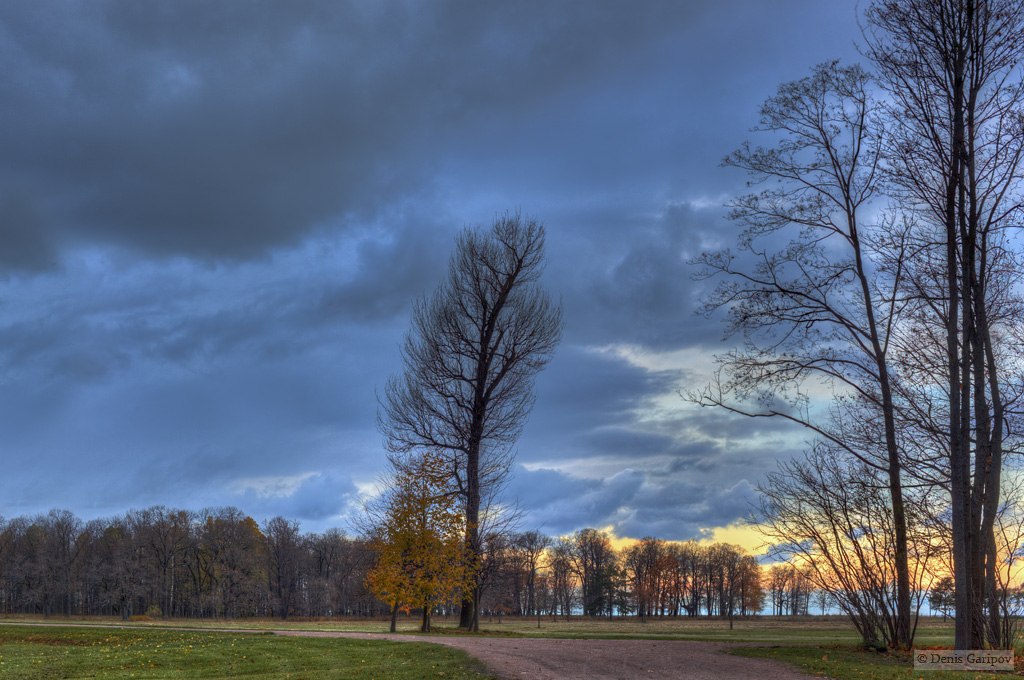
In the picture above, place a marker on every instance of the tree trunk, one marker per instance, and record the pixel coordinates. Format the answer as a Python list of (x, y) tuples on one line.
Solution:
[(469, 616)]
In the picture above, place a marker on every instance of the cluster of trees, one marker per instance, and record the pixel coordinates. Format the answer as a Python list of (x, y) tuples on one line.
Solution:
[(878, 264), (422, 563), (790, 591), (167, 562), (530, 574), (584, 574)]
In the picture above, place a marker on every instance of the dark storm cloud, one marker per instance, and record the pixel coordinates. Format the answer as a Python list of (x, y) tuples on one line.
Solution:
[(581, 388), (631, 502), (638, 286), (390, 272), (315, 500), (27, 245), (223, 129), (557, 503), (629, 461), (216, 216)]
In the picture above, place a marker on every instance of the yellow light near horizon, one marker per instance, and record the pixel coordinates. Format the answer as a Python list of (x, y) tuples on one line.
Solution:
[(745, 536), (620, 543)]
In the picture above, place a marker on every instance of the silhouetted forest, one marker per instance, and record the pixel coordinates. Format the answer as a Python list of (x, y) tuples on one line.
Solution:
[(221, 563)]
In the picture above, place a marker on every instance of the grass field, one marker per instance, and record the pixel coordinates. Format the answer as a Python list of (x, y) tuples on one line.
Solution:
[(148, 654), (846, 663), (769, 631), (821, 646)]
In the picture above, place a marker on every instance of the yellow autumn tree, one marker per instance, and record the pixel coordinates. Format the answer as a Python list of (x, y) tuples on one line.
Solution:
[(419, 540)]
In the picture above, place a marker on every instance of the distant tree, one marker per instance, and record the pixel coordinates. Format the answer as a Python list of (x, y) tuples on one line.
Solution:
[(421, 561), (644, 563), (63, 545), (689, 557), (113, 571), (165, 534), (470, 359), (327, 554), (751, 589), (824, 600), (284, 553), (596, 565), (234, 551), (563, 584), (531, 547), (501, 579), (941, 596)]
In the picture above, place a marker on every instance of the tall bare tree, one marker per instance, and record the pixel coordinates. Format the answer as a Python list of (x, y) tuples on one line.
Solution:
[(951, 69), (808, 294), (470, 359)]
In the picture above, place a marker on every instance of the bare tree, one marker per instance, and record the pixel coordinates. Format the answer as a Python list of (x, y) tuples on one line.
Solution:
[(233, 546), (564, 587), (165, 534), (470, 359), (811, 301), (596, 566), (284, 562), (528, 550), (829, 514), (954, 152), (643, 563)]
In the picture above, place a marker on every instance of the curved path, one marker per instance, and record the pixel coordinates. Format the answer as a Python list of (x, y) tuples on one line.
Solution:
[(553, 658)]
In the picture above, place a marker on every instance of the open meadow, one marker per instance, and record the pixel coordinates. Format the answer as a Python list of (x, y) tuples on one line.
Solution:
[(812, 630), (102, 648), (30, 652)]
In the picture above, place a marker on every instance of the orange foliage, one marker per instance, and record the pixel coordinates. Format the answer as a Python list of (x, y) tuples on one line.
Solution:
[(421, 560)]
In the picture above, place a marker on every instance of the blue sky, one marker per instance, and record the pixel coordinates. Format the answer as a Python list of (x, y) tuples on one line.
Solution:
[(215, 217)]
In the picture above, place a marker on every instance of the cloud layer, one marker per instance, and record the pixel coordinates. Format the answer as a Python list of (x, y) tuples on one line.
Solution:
[(215, 218)]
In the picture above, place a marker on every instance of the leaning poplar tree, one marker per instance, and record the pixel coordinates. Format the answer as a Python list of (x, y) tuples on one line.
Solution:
[(470, 360)]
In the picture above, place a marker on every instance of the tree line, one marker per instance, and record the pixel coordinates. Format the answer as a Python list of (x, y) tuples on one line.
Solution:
[(221, 563), (170, 562)]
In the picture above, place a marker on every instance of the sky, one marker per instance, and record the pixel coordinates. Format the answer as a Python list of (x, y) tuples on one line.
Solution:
[(215, 217)]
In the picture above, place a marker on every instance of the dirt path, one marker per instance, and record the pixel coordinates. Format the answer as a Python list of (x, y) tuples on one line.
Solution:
[(554, 659)]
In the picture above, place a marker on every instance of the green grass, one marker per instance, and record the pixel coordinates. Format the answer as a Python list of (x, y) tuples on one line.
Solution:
[(148, 654), (767, 630), (820, 646), (834, 630), (844, 663)]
